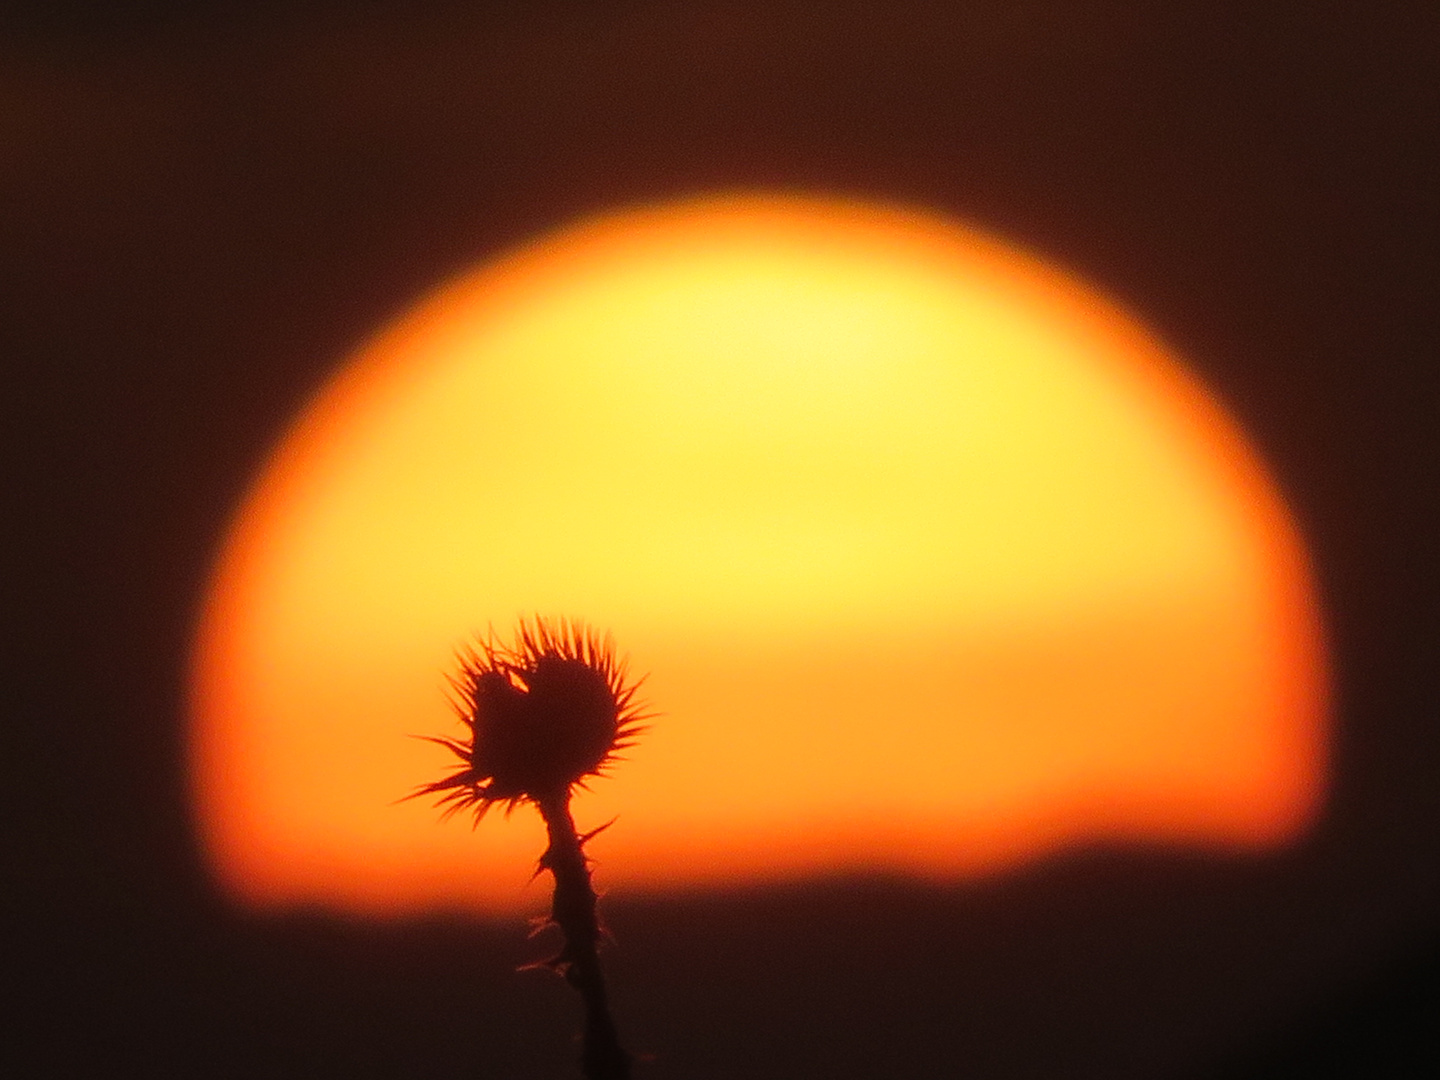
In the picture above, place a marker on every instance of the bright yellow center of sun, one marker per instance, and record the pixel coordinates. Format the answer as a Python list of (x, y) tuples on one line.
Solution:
[(936, 559)]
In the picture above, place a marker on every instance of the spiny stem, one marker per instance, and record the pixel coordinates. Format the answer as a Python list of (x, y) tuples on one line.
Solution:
[(573, 910)]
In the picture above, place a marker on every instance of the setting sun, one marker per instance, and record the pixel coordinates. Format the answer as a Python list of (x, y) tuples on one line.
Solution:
[(936, 559)]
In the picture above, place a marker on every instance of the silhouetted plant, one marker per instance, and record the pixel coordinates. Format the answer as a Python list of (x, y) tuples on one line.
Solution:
[(544, 716)]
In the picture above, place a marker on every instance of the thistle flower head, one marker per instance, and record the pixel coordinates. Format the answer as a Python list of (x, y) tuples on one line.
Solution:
[(544, 714)]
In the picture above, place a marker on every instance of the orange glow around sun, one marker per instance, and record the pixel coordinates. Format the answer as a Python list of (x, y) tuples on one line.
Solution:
[(936, 559)]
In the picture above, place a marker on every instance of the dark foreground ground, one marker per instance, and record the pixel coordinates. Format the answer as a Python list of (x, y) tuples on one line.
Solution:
[(1110, 968)]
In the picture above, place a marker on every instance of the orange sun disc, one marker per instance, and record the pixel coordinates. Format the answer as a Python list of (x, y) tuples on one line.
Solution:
[(937, 561)]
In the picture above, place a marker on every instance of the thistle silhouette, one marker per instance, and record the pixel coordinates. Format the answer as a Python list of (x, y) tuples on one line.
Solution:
[(545, 715)]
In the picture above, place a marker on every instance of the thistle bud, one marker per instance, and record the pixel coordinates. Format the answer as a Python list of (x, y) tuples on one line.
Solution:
[(544, 714)]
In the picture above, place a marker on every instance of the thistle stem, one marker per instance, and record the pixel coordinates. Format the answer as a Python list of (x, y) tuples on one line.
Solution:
[(573, 910)]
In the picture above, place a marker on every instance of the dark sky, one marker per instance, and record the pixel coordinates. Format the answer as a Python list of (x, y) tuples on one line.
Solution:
[(204, 207)]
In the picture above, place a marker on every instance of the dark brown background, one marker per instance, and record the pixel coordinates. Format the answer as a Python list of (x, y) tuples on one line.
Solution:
[(203, 207)]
